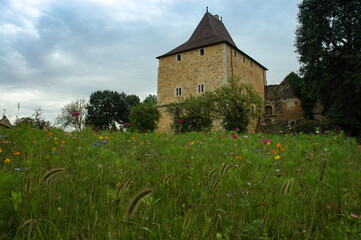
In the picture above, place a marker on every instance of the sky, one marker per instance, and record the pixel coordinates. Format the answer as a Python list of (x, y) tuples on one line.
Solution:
[(53, 52)]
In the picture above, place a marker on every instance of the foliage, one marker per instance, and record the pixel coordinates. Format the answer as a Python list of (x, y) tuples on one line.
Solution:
[(193, 114), (124, 185), (151, 98), (236, 104), (73, 115), (144, 117), (35, 121), (329, 44), (108, 107)]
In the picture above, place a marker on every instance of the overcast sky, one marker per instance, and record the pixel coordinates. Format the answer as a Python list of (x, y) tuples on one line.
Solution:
[(53, 52)]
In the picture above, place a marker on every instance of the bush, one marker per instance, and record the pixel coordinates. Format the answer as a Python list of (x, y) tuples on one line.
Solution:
[(144, 117)]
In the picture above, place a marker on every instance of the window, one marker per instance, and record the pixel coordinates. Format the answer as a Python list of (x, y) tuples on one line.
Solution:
[(178, 91), (200, 88), (235, 53), (179, 57), (268, 110), (251, 63), (253, 109), (244, 59), (201, 52)]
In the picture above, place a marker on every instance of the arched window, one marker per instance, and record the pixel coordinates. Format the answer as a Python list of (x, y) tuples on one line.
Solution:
[(268, 110)]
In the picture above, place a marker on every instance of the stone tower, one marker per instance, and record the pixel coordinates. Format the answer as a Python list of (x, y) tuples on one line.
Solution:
[(204, 63)]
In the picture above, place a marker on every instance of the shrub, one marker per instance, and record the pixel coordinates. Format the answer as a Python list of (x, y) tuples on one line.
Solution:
[(144, 117)]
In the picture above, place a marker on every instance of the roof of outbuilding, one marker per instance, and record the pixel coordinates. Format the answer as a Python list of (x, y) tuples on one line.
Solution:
[(209, 31)]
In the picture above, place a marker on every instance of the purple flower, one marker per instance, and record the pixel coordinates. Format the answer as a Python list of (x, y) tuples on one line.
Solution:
[(95, 144)]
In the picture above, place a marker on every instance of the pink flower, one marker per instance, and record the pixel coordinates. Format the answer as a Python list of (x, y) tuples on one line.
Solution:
[(75, 114), (237, 129), (263, 124), (354, 216), (234, 136), (245, 136), (180, 121)]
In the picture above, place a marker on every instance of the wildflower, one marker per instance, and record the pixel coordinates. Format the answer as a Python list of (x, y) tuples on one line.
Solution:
[(239, 157), (55, 138), (354, 216), (105, 143), (180, 121), (50, 133), (6, 161), (34, 142), (237, 129), (245, 136), (17, 169), (62, 142), (263, 124), (100, 137), (95, 144), (1, 150), (274, 151), (277, 157), (282, 149), (17, 153), (75, 114), (279, 145), (47, 157), (54, 148), (234, 136), (268, 143)]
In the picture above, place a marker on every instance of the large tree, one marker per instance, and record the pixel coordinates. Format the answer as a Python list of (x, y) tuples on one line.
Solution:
[(108, 107), (328, 41)]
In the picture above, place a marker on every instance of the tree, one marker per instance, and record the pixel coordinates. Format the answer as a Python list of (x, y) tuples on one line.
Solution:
[(329, 46), (151, 98), (236, 104), (106, 108), (35, 121), (144, 117), (73, 115)]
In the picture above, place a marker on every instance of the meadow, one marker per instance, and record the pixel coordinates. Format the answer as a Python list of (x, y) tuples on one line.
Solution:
[(199, 185)]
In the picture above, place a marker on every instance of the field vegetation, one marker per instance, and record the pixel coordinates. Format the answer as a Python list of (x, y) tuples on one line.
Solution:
[(198, 185)]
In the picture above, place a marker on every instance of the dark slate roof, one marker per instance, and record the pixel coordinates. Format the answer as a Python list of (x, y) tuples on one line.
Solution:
[(281, 91), (209, 31)]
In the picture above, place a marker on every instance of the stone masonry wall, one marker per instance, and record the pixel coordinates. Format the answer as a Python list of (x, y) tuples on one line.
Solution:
[(211, 69)]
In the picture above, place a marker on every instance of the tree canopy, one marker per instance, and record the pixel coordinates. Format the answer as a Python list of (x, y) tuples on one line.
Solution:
[(109, 107), (329, 46)]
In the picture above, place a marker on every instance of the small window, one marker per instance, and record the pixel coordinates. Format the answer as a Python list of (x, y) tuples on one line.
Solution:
[(200, 88), (178, 91), (179, 57), (253, 109), (201, 52), (235, 53), (244, 59), (268, 110), (251, 63)]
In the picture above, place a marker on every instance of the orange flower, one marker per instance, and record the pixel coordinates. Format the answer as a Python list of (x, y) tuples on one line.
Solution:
[(274, 151), (54, 148), (239, 157), (1, 150), (50, 133), (34, 142), (17, 153), (282, 149), (47, 157), (279, 145), (62, 142)]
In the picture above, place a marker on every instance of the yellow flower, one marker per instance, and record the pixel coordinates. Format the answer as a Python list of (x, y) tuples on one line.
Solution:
[(277, 157), (268, 143), (55, 138), (100, 137), (6, 161)]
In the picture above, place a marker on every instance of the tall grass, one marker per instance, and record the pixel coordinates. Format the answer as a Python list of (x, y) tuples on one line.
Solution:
[(103, 185)]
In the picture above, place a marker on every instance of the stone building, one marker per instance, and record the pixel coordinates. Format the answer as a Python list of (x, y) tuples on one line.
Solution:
[(281, 105), (204, 63)]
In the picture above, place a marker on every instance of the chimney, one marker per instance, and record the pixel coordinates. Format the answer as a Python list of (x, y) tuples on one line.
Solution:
[(217, 16)]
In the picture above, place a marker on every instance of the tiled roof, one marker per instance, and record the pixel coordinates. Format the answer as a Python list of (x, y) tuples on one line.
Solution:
[(209, 31)]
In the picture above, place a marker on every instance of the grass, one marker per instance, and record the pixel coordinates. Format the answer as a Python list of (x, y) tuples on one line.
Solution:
[(103, 185)]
